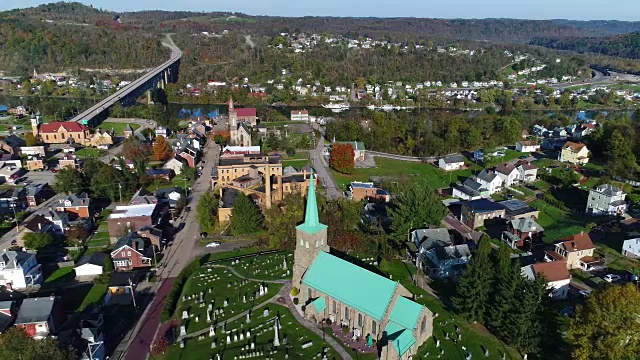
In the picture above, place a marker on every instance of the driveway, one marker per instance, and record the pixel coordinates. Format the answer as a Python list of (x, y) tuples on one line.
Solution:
[(322, 169)]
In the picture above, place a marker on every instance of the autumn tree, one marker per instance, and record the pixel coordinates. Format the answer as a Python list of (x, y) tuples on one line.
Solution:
[(417, 206), (76, 234), (31, 140), (606, 326), (342, 158), (133, 148), (161, 149)]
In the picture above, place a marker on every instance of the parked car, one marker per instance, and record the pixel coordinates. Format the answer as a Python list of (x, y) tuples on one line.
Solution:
[(612, 278), (213, 244), (584, 293)]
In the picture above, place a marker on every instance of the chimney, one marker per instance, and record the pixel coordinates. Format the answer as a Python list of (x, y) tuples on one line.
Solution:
[(267, 185)]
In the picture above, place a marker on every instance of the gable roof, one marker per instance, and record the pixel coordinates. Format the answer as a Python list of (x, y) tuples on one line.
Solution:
[(70, 126), (607, 189), (132, 240), (487, 176), (350, 284), (552, 271), (505, 168), (577, 242), (245, 111), (526, 165), (529, 143), (35, 310), (405, 313), (575, 147), (482, 205), (526, 225), (93, 259), (453, 159)]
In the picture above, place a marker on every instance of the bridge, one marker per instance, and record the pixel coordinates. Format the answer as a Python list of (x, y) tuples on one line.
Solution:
[(165, 73)]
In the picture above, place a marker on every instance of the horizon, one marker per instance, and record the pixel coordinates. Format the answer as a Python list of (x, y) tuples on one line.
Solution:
[(573, 10)]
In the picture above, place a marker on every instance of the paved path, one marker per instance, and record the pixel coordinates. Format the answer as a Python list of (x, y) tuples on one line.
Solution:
[(5, 240), (322, 169)]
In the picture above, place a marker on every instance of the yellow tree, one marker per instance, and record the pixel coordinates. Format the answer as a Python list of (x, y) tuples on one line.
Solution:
[(161, 149)]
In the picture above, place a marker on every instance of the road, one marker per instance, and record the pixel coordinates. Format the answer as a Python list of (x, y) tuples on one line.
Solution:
[(96, 109), (322, 170), (115, 150)]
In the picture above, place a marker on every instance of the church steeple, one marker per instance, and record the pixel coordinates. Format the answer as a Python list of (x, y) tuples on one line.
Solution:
[(311, 224)]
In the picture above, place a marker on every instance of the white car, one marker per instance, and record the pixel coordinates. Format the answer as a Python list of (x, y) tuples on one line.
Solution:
[(213, 244), (612, 278)]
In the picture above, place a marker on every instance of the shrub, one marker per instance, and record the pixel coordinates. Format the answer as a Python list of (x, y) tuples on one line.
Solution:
[(328, 322), (295, 301), (171, 302), (294, 291)]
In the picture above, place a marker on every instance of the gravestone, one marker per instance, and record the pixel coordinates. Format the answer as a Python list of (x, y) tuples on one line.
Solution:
[(212, 331), (265, 312), (183, 331), (185, 315)]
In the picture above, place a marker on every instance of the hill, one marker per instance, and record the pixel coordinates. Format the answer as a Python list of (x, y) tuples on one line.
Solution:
[(626, 46)]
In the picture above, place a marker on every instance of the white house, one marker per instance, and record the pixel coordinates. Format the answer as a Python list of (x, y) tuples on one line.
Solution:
[(527, 172), (451, 162), (508, 173), (631, 248), (555, 274), (606, 199), (490, 181), (174, 164), (19, 269), (527, 146), (300, 115), (90, 265)]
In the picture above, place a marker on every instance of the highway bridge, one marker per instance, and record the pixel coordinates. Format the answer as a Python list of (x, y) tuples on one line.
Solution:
[(156, 78)]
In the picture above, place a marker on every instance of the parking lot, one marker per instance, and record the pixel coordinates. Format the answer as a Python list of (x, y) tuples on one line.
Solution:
[(38, 177)]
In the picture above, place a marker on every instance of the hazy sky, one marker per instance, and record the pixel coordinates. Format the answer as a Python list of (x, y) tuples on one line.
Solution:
[(523, 9)]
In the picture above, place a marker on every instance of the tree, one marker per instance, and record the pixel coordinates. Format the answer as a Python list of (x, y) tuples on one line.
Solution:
[(505, 293), (245, 216), (281, 221), (133, 148), (474, 288), (16, 344), (207, 212), (69, 180), (76, 234), (606, 327), (108, 183), (416, 206), (161, 149), (342, 158), (620, 156), (31, 140), (37, 241)]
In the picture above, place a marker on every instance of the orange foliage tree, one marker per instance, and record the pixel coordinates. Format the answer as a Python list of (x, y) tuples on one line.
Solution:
[(342, 158), (161, 149)]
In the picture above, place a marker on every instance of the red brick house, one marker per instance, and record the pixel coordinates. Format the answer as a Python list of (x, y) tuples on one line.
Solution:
[(525, 230), (132, 251), (75, 204), (368, 192), (132, 218)]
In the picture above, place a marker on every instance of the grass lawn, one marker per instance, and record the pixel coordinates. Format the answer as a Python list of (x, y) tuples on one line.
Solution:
[(264, 267), (473, 336), (557, 224), (89, 152), (230, 254), (101, 238), (218, 285), (61, 275), (96, 294), (262, 335), (395, 169), (509, 154), (175, 182), (118, 127)]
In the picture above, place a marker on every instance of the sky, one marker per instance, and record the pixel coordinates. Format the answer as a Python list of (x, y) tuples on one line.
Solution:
[(521, 9)]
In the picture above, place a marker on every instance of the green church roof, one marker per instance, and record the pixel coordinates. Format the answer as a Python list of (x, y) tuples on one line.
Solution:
[(401, 338), (311, 224), (405, 313), (319, 304), (350, 284)]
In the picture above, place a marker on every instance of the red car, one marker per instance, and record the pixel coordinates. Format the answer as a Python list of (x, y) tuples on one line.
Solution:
[(53, 170)]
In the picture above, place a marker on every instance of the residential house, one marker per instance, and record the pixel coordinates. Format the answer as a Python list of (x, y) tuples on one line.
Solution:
[(132, 251), (90, 265), (469, 190), (9, 174), (35, 224), (574, 153), (559, 131), (133, 217), (190, 155), (78, 205), (606, 199), (101, 139), (490, 180), (35, 194), (162, 131), (353, 297), (508, 173), (69, 161), (7, 315), (527, 146), (32, 151), (19, 270), (84, 332), (451, 162), (553, 143), (37, 316), (527, 172), (583, 130), (576, 251), (10, 160), (160, 174), (58, 219), (12, 144), (175, 164), (631, 247), (300, 115), (170, 195), (34, 163), (540, 130), (358, 149), (11, 199), (61, 132), (143, 197), (360, 191), (476, 212), (518, 209), (556, 275), (128, 131), (525, 230), (436, 254)]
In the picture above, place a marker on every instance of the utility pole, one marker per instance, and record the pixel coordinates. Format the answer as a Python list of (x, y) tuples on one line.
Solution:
[(120, 191)]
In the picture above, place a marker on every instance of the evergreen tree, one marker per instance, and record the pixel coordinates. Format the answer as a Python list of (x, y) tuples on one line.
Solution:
[(207, 212), (69, 180), (505, 293), (245, 216), (417, 206), (474, 287)]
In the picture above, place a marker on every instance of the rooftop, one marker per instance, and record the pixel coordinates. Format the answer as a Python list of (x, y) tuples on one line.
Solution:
[(575, 147), (453, 159), (526, 225), (577, 242), (132, 210), (35, 310), (93, 258), (608, 190), (363, 185), (482, 205), (552, 271), (70, 126)]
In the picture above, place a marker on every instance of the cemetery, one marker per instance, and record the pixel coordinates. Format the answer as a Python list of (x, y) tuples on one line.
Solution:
[(271, 266), (214, 294), (270, 332)]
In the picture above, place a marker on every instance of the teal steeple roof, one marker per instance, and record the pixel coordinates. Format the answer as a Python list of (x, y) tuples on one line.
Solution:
[(311, 224)]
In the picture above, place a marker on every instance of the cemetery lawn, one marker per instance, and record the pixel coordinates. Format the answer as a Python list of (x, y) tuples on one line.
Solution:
[(224, 286), (474, 336), (262, 333), (264, 266)]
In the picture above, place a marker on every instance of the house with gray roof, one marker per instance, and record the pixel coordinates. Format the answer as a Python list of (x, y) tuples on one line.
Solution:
[(525, 231), (436, 254), (36, 316), (490, 180), (451, 162), (606, 199), (469, 190), (19, 270), (631, 247)]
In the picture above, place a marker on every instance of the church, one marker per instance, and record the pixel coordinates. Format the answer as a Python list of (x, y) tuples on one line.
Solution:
[(363, 301), (240, 122)]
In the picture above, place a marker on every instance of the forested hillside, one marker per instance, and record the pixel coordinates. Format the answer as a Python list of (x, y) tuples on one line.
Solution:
[(627, 45)]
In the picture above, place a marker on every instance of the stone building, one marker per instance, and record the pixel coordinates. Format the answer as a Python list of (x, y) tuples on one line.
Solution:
[(368, 304)]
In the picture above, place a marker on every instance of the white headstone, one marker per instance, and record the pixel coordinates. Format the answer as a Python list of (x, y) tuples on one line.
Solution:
[(241, 336), (226, 303), (253, 346), (235, 337), (208, 316), (212, 331), (276, 340), (185, 315), (228, 339), (197, 318), (265, 312), (183, 330), (284, 264), (248, 318), (244, 299)]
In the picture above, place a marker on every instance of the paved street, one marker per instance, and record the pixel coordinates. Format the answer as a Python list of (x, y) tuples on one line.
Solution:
[(5, 240), (322, 170)]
